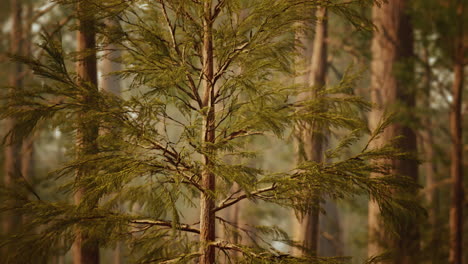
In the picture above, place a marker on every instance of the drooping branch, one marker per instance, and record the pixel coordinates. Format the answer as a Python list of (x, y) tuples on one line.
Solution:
[(217, 9), (181, 227), (231, 200)]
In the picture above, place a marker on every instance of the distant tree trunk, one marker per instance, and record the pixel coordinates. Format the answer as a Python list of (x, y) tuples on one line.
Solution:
[(27, 158), (85, 248), (392, 43), (244, 228), (248, 235), (304, 44), (456, 154), (311, 136), (456, 170), (12, 164), (330, 243), (234, 212), (432, 192), (207, 205), (111, 83), (27, 148), (235, 217)]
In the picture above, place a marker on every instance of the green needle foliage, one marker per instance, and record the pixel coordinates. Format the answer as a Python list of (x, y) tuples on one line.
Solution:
[(149, 164)]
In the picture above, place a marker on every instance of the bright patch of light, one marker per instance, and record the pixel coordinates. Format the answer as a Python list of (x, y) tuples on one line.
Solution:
[(280, 246), (36, 27), (6, 26), (144, 6), (132, 114), (57, 133)]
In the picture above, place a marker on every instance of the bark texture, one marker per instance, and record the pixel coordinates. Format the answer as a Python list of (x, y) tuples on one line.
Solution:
[(392, 49), (27, 147), (85, 248), (456, 154), (311, 137), (207, 199), (456, 170), (12, 165)]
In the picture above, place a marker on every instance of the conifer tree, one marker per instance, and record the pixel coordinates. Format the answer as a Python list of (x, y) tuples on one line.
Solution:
[(392, 49), (189, 109), (110, 62), (12, 163), (440, 40), (456, 154), (27, 146), (19, 156), (111, 83), (311, 136), (86, 248)]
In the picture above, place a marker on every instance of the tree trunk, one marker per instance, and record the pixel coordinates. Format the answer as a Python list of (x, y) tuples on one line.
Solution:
[(456, 154), (311, 136), (111, 83), (207, 199), (456, 207), (391, 44), (85, 248), (330, 243), (431, 189), (12, 164), (27, 148)]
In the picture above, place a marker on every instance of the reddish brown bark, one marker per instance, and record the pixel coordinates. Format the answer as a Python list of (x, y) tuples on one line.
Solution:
[(392, 47), (207, 200), (12, 163), (27, 148), (86, 249), (311, 136), (456, 154), (456, 170)]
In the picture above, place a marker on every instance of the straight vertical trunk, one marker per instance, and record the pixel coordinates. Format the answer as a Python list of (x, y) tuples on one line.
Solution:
[(247, 233), (456, 170), (330, 240), (111, 83), (432, 192), (244, 232), (12, 164), (85, 248), (207, 199), (311, 136), (27, 148), (27, 158), (456, 154), (235, 218), (392, 43)]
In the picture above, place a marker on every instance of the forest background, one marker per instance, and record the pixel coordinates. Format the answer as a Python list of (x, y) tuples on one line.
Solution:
[(233, 131)]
